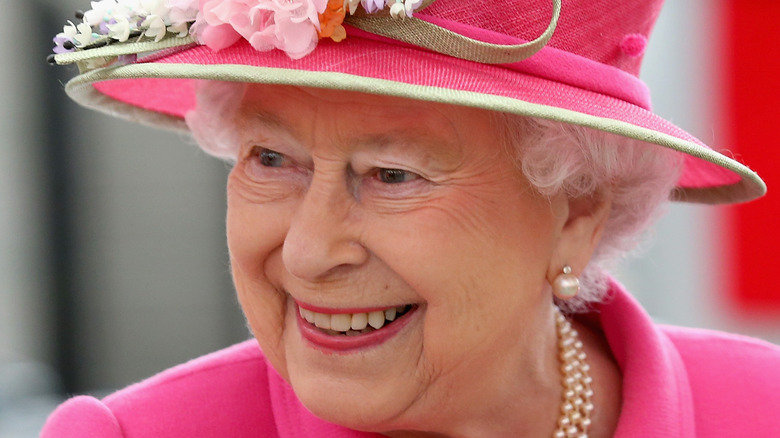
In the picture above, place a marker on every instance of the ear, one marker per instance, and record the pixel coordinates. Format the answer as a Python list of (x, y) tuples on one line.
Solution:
[(584, 222)]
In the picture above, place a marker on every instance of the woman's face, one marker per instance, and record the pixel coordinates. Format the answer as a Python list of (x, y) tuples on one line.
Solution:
[(349, 205)]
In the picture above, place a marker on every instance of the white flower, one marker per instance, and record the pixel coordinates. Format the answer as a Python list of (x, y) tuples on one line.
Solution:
[(411, 5), (84, 35), (127, 9), (133, 5), (99, 12), (397, 10), (180, 29), (153, 7), (69, 30), (182, 11), (120, 30), (155, 27), (351, 5)]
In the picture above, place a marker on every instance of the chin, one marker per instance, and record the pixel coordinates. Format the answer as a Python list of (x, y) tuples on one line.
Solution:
[(355, 405), (369, 389)]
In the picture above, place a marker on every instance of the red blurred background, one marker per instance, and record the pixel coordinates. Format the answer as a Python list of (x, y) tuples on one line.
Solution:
[(751, 114)]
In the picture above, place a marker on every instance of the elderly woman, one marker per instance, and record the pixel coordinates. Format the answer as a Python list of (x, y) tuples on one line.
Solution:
[(424, 198)]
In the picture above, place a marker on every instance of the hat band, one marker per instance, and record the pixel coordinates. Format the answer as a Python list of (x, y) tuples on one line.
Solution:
[(550, 63), (428, 35)]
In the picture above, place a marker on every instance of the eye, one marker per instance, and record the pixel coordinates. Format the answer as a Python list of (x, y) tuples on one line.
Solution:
[(270, 158), (396, 176), (262, 165)]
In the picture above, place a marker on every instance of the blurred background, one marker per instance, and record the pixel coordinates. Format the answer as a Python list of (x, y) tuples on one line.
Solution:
[(112, 251)]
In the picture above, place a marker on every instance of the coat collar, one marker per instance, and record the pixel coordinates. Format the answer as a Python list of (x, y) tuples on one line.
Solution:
[(657, 399)]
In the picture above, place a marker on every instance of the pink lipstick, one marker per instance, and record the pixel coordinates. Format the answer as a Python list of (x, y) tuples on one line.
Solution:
[(351, 329)]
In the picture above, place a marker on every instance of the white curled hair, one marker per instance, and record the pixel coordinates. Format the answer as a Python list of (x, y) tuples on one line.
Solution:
[(555, 157), (212, 122), (582, 162)]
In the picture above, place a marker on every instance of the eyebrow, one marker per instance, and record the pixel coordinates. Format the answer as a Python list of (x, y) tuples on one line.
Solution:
[(414, 142), (396, 137), (414, 139), (268, 119)]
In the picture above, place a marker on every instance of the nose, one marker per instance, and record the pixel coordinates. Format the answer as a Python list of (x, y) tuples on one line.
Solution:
[(323, 236)]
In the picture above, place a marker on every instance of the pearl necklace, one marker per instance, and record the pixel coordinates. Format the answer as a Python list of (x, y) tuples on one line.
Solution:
[(576, 405)]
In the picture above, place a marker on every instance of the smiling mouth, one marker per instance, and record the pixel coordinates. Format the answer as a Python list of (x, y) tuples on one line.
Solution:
[(353, 324)]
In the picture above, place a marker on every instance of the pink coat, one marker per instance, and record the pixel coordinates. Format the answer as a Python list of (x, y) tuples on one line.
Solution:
[(676, 383)]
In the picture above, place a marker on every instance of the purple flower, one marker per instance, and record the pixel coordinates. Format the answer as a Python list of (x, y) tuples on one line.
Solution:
[(104, 30), (60, 41), (372, 6)]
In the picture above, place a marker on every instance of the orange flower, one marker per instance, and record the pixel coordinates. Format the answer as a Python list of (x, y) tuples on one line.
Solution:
[(331, 19)]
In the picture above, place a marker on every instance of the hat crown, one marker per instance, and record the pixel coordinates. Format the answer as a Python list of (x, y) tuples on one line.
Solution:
[(612, 32)]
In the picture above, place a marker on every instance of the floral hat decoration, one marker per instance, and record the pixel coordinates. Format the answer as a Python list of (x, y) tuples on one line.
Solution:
[(574, 61), (293, 26)]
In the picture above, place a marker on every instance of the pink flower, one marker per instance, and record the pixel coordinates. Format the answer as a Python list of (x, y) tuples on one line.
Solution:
[(288, 25), (213, 23), (291, 27)]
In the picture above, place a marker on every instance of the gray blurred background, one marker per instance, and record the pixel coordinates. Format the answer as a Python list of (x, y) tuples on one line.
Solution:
[(112, 250)]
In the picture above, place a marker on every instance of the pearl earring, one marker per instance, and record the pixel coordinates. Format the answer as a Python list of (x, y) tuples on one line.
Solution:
[(566, 286)]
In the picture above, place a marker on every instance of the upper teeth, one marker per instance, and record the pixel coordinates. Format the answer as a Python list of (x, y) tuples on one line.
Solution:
[(343, 322)]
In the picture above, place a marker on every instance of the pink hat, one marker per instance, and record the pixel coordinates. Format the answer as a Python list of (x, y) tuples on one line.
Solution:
[(574, 61)]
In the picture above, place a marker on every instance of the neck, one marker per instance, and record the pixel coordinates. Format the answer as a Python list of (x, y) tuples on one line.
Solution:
[(607, 378)]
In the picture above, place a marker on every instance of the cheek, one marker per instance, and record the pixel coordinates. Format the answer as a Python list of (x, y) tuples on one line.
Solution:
[(479, 263), (255, 234), (467, 240)]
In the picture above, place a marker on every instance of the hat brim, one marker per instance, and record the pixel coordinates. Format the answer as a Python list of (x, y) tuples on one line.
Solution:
[(160, 90)]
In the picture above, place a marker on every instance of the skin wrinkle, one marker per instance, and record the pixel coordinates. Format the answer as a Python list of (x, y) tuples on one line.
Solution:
[(276, 354), (643, 174), (267, 118), (431, 375), (265, 193), (376, 141), (331, 207), (470, 249)]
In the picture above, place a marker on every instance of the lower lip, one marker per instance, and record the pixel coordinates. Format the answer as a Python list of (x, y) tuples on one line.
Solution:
[(344, 344)]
